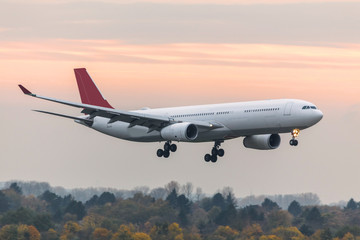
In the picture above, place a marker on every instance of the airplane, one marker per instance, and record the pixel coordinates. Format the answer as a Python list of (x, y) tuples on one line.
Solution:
[(259, 122)]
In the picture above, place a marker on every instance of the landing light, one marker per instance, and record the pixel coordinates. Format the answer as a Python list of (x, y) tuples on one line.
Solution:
[(295, 132)]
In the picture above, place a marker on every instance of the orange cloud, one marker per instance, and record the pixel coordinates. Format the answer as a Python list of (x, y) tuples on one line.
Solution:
[(200, 73)]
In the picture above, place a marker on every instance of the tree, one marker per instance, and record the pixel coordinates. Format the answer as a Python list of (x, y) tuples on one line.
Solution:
[(106, 197), (51, 234), (351, 205), (8, 232), (158, 193), (219, 201), (251, 232), (187, 189), (76, 208), (314, 215), (14, 186), (172, 198), (199, 194), (278, 218), (184, 205), (20, 216), (141, 236), (34, 234), (226, 233), (294, 208), (92, 201), (173, 185), (288, 233), (326, 234), (4, 202), (124, 233), (348, 236), (269, 205), (70, 230), (306, 230), (101, 234)]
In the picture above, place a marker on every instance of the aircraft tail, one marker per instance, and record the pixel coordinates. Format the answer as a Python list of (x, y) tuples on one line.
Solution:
[(89, 93)]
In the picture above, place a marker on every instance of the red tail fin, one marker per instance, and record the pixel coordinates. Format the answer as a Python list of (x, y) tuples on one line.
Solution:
[(89, 93)]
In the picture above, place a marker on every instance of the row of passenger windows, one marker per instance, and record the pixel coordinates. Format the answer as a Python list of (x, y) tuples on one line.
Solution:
[(262, 110), (193, 115), (309, 107), (200, 114)]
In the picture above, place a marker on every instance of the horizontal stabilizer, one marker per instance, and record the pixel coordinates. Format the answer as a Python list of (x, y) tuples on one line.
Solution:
[(87, 121)]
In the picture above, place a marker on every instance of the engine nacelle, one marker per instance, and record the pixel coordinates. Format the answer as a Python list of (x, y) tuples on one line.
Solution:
[(180, 132), (263, 142)]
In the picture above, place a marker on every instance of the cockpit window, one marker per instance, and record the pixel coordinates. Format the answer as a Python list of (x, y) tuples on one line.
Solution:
[(309, 107)]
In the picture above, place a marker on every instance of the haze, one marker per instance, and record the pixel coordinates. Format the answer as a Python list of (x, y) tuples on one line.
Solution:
[(157, 54)]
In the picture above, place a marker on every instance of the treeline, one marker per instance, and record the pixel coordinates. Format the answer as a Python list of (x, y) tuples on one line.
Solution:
[(195, 194), (181, 214)]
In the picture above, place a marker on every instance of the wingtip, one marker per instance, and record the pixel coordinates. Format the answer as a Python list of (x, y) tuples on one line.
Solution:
[(24, 90)]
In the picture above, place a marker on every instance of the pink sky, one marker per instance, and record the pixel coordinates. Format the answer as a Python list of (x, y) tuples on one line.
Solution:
[(158, 55), (239, 71)]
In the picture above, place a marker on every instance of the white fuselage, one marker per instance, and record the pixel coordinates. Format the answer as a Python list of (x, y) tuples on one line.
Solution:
[(238, 119)]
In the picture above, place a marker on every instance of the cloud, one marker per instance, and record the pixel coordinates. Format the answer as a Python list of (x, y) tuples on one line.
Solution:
[(163, 23), (239, 55)]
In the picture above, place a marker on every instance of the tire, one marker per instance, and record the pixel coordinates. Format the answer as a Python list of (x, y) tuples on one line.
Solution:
[(166, 154), (166, 147), (214, 158), (160, 153), (296, 142), (173, 147), (214, 152), (207, 158), (292, 142), (221, 152)]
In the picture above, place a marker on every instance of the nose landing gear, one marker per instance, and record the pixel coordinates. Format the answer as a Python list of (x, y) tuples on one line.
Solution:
[(215, 152), (168, 147), (295, 133)]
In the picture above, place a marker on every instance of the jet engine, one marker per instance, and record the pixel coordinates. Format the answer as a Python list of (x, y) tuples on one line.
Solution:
[(180, 132), (263, 142)]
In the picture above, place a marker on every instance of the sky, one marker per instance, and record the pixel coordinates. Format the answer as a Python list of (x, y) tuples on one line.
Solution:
[(157, 53)]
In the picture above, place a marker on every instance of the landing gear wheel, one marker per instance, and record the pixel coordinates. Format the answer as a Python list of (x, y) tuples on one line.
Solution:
[(207, 157), (214, 158), (160, 153), (296, 142), (221, 152), (292, 142), (173, 147), (166, 154), (167, 146), (214, 151)]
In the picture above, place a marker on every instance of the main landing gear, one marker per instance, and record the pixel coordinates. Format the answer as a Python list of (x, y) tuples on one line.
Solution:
[(215, 152), (295, 133), (168, 147)]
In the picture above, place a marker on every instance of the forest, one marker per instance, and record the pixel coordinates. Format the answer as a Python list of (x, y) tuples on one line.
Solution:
[(173, 212)]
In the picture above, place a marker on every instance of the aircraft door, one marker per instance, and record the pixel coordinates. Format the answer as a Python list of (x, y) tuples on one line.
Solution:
[(288, 107)]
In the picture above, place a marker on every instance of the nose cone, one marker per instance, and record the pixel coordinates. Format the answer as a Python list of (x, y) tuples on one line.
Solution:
[(317, 116)]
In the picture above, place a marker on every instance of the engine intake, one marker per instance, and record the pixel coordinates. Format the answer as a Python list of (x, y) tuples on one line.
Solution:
[(263, 142), (180, 132)]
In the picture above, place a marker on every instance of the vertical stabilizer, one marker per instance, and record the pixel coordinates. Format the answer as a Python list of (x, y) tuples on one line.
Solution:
[(89, 93)]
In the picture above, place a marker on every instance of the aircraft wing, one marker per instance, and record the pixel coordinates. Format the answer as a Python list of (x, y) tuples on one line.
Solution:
[(153, 122)]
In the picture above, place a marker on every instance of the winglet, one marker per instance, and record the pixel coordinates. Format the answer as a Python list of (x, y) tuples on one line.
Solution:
[(25, 91)]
